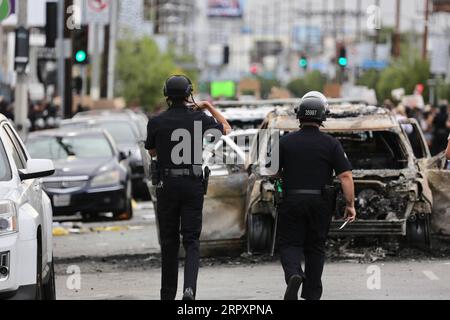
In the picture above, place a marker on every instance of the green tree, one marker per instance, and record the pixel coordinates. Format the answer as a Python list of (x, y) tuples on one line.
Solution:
[(403, 73), (369, 79), (142, 70), (313, 81), (267, 85)]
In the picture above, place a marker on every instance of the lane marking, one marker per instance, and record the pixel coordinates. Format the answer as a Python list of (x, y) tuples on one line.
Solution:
[(430, 275)]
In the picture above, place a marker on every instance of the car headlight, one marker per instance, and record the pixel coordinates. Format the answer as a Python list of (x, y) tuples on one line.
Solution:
[(106, 179), (8, 218)]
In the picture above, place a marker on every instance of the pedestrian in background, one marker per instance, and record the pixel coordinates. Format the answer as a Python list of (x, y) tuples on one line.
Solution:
[(441, 130)]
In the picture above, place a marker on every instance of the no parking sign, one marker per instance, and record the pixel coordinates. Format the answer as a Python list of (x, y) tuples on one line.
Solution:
[(96, 11)]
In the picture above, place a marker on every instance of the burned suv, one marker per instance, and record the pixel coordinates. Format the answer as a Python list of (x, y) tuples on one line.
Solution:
[(395, 176)]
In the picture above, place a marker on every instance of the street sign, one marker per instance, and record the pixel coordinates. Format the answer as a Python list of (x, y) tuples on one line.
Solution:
[(96, 12), (440, 57), (6, 8)]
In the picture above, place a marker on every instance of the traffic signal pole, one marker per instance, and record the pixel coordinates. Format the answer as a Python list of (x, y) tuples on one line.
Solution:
[(112, 48), (68, 63), (96, 65), (61, 53), (21, 91)]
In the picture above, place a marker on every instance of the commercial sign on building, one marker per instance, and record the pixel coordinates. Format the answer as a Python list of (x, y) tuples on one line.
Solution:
[(226, 8), (7, 7)]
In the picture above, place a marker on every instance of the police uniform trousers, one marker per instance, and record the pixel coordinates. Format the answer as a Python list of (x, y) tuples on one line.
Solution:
[(303, 226), (179, 211)]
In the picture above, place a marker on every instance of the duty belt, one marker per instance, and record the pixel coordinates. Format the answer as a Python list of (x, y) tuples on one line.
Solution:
[(195, 171), (305, 192)]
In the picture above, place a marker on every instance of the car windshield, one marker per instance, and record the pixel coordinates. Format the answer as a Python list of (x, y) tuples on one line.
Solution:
[(121, 131), (61, 148), (5, 170)]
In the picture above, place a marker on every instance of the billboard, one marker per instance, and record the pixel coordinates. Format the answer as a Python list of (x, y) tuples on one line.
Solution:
[(226, 8), (223, 89)]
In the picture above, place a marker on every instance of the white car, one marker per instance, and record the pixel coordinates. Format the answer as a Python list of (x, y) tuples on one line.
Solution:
[(26, 261)]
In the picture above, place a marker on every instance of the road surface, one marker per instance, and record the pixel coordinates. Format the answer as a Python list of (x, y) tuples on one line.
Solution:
[(120, 260)]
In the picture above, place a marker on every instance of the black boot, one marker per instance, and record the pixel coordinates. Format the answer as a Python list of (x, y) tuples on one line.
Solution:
[(293, 286), (188, 294)]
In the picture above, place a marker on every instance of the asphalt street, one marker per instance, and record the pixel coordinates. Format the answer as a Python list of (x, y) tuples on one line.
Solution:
[(119, 260)]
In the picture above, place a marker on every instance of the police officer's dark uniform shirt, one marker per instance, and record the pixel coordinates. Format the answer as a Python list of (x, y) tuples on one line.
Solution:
[(160, 129), (308, 158)]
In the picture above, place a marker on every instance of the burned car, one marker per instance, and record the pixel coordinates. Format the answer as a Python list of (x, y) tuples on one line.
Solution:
[(224, 205), (393, 194)]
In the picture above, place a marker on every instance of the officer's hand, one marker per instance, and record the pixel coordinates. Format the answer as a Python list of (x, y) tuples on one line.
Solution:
[(202, 105), (350, 214)]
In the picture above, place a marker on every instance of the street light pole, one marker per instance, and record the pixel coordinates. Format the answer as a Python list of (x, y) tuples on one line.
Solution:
[(21, 92), (425, 33), (61, 56), (112, 47)]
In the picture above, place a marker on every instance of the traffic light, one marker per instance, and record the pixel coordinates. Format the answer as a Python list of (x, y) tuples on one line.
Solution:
[(226, 55), (51, 27), (303, 63), (80, 45), (22, 49), (342, 59), (254, 69)]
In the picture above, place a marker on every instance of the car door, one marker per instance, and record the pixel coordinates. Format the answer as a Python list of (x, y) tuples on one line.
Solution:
[(224, 205), (438, 176), (31, 190), (417, 140)]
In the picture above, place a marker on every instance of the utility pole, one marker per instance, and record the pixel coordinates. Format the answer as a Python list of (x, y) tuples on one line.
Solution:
[(425, 33), (21, 92), (396, 40), (95, 86), (358, 22), (68, 63), (377, 36), (112, 47), (105, 62), (61, 55)]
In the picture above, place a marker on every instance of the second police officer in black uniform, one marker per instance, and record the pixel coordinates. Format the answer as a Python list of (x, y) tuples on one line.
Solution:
[(308, 158), (181, 188)]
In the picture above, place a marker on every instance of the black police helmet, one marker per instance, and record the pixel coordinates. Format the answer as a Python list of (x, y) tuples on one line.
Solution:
[(178, 87), (313, 108)]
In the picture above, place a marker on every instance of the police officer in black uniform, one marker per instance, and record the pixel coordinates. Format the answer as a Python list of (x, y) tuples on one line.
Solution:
[(181, 189), (308, 158)]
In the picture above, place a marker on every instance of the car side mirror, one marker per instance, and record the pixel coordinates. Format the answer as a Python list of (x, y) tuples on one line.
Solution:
[(37, 168), (123, 156)]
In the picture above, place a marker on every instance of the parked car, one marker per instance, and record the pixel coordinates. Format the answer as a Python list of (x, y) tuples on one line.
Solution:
[(92, 176), (127, 135), (26, 255), (246, 114), (398, 188), (138, 118)]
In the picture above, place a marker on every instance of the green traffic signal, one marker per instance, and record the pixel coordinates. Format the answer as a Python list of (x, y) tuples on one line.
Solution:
[(81, 56), (303, 63), (342, 61)]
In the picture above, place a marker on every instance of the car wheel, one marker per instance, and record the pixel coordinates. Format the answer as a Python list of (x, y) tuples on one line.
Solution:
[(49, 287), (127, 212), (418, 231), (39, 284), (259, 233)]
